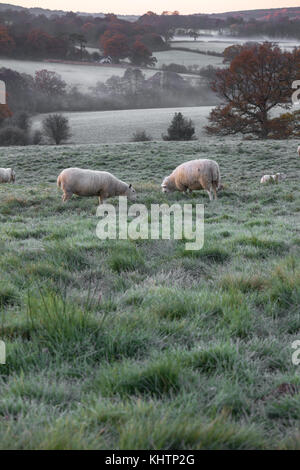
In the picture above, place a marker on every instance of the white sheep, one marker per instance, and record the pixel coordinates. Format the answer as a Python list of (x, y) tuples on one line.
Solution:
[(192, 175), (7, 175), (298, 150), (273, 178), (92, 183)]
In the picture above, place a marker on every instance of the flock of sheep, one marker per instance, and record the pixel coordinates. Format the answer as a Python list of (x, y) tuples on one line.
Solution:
[(189, 176)]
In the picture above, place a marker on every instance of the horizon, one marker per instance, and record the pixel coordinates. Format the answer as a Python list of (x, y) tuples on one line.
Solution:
[(116, 6)]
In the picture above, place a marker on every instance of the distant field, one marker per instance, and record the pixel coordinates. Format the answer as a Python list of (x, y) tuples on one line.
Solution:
[(140, 344), (118, 126), (216, 46), (186, 58), (83, 76)]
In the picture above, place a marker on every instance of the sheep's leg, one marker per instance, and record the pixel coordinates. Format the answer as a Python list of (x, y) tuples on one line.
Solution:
[(215, 192), (210, 194), (66, 196), (100, 201)]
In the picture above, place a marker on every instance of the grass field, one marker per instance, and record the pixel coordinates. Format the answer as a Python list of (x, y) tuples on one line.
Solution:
[(218, 45), (186, 58), (100, 126), (141, 344)]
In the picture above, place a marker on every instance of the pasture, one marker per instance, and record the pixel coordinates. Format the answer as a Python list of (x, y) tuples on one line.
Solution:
[(219, 43), (100, 126), (141, 344), (186, 58)]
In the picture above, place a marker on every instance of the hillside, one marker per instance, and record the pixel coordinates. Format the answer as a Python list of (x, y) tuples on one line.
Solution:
[(44, 11), (261, 14)]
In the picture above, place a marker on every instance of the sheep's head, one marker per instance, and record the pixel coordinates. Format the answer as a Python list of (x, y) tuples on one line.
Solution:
[(166, 186), (280, 176), (131, 193)]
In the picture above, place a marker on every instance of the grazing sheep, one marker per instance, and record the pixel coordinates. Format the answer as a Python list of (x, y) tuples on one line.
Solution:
[(92, 183), (7, 175), (273, 178), (298, 150), (195, 174)]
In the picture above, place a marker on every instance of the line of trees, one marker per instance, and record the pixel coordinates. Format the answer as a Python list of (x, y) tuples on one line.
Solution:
[(24, 35)]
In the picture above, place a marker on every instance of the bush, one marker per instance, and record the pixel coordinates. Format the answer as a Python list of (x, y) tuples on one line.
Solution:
[(180, 129), (56, 128), (141, 136), (37, 137), (175, 68), (12, 135)]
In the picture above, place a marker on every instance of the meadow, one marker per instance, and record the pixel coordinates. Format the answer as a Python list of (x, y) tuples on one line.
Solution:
[(100, 126), (218, 43), (142, 344), (186, 58)]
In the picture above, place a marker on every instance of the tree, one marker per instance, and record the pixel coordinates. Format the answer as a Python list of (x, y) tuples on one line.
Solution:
[(80, 41), (5, 113), (115, 46), (140, 55), (56, 128), (257, 80), (180, 128), (7, 44), (49, 82)]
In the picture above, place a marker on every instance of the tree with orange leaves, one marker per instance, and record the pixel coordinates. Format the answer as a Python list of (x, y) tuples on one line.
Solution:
[(115, 45), (258, 79)]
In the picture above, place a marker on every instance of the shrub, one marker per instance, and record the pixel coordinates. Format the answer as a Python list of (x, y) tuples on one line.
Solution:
[(12, 135), (37, 137), (180, 129), (141, 136), (56, 128)]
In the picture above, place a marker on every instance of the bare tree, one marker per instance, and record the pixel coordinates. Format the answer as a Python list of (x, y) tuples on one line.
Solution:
[(56, 128)]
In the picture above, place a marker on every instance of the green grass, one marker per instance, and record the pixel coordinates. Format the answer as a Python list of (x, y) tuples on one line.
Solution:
[(141, 344)]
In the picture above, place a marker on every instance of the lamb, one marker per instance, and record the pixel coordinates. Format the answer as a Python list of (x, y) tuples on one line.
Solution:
[(7, 175), (195, 174), (273, 178), (92, 183)]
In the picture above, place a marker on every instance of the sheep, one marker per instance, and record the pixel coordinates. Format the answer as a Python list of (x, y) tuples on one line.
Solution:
[(298, 150), (273, 178), (195, 174), (92, 183), (7, 175)]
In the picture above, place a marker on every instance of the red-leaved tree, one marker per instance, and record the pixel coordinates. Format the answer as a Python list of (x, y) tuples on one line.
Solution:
[(258, 80), (141, 55), (115, 46)]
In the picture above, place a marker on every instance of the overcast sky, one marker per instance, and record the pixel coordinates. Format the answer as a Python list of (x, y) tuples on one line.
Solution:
[(139, 7)]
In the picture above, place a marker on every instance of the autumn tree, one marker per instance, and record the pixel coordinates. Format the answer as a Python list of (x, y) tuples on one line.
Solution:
[(115, 46), (141, 55), (258, 80), (50, 83), (5, 113)]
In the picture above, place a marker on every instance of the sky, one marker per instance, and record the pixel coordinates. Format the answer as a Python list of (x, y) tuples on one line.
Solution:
[(138, 7)]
